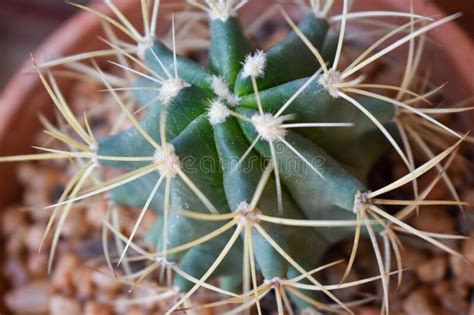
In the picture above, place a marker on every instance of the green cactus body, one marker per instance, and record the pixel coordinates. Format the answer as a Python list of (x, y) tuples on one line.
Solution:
[(208, 153)]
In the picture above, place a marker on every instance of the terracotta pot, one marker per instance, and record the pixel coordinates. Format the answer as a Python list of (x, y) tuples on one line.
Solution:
[(24, 97), (452, 53)]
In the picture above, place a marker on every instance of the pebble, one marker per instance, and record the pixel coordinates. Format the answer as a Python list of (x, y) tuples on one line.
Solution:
[(105, 280), (60, 305), (75, 225), (33, 238), (95, 308), (420, 302), (462, 268), (334, 276), (412, 257), (450, 299), (82, 281), (12, 218), (436, 220), (17, 272), (32, 298), (63, 271), (468, 247), (433, 270), (38, 264)]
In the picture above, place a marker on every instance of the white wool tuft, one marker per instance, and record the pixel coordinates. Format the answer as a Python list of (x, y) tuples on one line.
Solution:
[(167, 161), (233, 100), (171, 88), (222, 9), (248, 216), (221, 89), (254, 65), (269, 126), (218, 112), (330, 81), (243, 207), (143, 45)]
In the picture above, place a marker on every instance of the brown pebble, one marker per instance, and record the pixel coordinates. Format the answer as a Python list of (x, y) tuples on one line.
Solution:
[(12, 218), (105, 281), (60, 305), (34, 236), (369, 311), (63, 271), (436, 220), (76, 225), (433, 270), (95, 308), (16, 271), (412, 257), (38, 264), (468, 248), (15, 244), (32, 298), (82, 281), (335, 274), (449, 298), (420, 302)]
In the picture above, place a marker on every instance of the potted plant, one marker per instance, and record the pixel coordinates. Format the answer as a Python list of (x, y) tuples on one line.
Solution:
[(247, 176)]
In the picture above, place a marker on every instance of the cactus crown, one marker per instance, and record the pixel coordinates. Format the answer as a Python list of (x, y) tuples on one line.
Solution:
[(257, 163)]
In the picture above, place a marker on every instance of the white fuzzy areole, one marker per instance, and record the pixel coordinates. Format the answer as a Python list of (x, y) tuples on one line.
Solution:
[(361, 200), (218, 112), (167, 161), (144, 44), (171, 88), (330, 82), (248, 216), (221, 89), (269, 127), (223, 9), (254, 65)]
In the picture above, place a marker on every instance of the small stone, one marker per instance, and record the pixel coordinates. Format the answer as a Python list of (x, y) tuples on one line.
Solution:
[(335, 274), (33, 238), (412, 257), (464, 268), (95, 308), (420, 302), (436, 220), (449, 299), (95, 214), (60, 305), (76, 225), (17, 272), (106, 281), (38, 264), (12, 218), (63, 271), (15, 243), (468, 248), (368, 310), (433, 270), (32, 298), (82, 281)]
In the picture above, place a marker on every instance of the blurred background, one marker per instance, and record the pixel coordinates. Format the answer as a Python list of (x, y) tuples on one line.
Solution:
[(25, 23)]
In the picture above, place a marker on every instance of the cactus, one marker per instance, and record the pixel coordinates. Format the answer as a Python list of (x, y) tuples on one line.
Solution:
[(257, 163)]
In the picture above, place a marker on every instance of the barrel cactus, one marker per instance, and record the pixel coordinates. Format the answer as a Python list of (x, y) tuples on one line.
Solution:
[(257, 163)]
